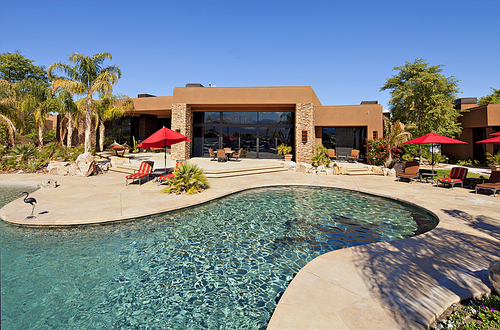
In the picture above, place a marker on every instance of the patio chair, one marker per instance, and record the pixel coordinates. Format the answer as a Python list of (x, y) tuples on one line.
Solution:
[(353, 156), (212, 155), (493, 183), (331, 154), (170, 176), (144, 171), (237, 155), (411, 172), (457, 176), (221, 155)]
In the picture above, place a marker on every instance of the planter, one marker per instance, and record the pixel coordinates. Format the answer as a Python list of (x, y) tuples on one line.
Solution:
[(494, 167), (288, 157)]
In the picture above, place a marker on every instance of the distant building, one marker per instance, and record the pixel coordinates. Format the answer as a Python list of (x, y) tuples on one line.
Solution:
[(477, 125)]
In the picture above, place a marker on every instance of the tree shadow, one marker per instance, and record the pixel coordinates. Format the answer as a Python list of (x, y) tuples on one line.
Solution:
[(417, 278)]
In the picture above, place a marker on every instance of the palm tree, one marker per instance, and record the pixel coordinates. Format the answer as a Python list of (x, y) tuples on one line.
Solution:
[(38, 100), (110, 107), (10, 113), (87, 77), (394, 133), (69, 109)]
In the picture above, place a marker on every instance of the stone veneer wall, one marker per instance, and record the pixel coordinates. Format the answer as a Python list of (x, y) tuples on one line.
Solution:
[(182, 119), (304, 121)]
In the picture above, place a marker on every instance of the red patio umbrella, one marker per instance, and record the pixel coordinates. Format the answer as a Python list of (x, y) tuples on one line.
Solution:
[(495, 134), (434, 138), (161, 139), (493, 140)]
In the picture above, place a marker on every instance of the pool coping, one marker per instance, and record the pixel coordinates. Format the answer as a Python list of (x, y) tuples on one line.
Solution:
[(407, 294)]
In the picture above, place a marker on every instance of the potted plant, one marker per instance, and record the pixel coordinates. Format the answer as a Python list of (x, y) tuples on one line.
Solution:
[(285, 150), (493, 161)]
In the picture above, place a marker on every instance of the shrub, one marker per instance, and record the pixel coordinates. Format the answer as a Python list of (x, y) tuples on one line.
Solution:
[(187, 178), (320, 156), (378, 151)]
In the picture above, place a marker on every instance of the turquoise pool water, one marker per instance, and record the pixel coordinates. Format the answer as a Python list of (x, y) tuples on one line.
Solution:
[(221, 265)]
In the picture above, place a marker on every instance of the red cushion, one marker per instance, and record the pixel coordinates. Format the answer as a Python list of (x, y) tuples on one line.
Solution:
[(136, 175), (449, 180), (166, 177), (458, 173)]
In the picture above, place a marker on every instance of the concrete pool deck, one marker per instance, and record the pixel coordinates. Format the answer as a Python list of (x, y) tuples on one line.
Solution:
[(403, 284)]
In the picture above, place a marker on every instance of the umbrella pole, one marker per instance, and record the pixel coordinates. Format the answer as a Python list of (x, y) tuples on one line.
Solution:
[(165, 152), (432, 160)]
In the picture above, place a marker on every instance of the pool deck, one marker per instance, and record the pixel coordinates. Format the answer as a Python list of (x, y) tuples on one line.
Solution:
[(403, 284)]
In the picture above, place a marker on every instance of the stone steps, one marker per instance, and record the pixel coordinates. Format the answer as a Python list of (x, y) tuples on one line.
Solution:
[(124, 169), (360, 171), (244, 171)]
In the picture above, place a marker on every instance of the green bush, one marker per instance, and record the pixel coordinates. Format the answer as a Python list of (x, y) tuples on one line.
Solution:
[(187, 178), (320, 156), (468, 162)]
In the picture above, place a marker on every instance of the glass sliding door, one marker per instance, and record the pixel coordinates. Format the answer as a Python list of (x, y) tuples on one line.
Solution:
[(197, 141), (267, 142), (258, 133), (210, 139), (248, 141), (231, 137)]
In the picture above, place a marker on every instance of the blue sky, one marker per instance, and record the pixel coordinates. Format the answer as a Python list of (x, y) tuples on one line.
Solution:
[(345, 50)]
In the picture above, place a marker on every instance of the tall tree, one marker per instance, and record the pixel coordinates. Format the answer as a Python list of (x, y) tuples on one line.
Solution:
[(394, 133), (37, 100), (87, 77), (14, 67), (110, 107), (10, 114), (68, 109), (493, 98), (422, 97)]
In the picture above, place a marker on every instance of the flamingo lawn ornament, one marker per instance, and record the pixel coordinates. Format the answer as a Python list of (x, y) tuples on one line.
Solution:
[(32, 201)]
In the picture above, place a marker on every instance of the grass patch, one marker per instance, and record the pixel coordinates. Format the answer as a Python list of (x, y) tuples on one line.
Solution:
[(482, 314), (444, 173)]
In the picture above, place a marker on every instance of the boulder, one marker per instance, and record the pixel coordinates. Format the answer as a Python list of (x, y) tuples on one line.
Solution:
[(377, 170), (58, 168), (321, 168), (329, 171), (48, 183), (494, 275), (289, 165), (309, 168), (339, 169), (85, 165), (392, 173), (300, 168)]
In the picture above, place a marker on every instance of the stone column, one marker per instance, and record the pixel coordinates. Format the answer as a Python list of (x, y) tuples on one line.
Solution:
[(304, 121), (182, 122)]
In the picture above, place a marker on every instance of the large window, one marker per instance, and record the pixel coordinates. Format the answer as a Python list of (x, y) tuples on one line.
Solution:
[(257, 133), (344, 139)]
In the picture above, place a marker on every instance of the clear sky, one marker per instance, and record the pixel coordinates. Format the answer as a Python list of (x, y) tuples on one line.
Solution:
[(344, 50)]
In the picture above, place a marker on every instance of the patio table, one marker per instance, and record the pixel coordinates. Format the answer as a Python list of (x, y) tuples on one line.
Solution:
[(473, 182), (426, 176)]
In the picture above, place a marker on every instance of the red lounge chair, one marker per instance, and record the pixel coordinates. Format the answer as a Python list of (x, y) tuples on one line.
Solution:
[(457, 176), (493, 183), (170, 176), (144, 171)]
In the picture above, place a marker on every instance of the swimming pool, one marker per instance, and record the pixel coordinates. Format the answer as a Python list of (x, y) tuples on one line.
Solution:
[(223, 264)]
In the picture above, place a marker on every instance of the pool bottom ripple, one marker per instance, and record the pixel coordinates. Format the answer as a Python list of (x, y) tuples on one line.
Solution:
[(221, 265)]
